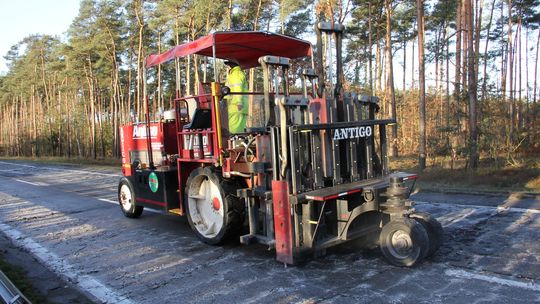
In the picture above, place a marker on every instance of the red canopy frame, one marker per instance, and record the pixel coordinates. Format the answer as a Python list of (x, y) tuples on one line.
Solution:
[(244, 48)]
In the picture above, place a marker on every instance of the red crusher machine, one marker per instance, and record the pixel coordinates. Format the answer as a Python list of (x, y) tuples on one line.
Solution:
[(309, 172)]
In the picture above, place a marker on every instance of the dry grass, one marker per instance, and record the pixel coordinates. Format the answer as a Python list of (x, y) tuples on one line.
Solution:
[(18, 277), (490, 176), (534, 183), (105, 162)]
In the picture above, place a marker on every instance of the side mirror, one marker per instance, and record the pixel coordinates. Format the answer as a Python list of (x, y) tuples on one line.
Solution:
[(225, 90)]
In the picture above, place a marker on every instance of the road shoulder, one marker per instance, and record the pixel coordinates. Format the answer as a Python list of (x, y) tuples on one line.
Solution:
[(46, 282)]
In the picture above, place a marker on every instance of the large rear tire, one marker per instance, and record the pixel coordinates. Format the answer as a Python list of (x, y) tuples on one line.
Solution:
[(404, 242), (126, 199), (434, 230), (213, 210)]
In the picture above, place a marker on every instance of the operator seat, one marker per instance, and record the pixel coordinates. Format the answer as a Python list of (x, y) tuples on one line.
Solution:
[(202, 119)]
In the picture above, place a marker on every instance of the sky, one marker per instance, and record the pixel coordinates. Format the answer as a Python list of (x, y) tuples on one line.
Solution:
[(21, 18)]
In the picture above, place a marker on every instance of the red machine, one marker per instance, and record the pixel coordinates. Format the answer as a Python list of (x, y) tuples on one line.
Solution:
[(309, 172)]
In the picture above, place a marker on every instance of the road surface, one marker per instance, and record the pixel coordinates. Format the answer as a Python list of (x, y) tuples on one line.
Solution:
[(68, 218)]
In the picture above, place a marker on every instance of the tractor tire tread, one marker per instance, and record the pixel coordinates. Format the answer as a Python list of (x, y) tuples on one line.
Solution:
[(433, 228)]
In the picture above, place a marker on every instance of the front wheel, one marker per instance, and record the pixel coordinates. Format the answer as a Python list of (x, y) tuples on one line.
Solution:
[(126, 198), (404, 242), (213, 210)]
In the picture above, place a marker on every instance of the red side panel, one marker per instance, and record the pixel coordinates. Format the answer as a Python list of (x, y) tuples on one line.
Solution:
[(133, 138), (319, 114), (317, 111), (282, 222), (125, 145)]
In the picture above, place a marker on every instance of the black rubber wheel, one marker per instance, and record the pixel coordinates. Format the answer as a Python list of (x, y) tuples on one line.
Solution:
[(404, 242), (434, 230), (213, 210), (126, 199)]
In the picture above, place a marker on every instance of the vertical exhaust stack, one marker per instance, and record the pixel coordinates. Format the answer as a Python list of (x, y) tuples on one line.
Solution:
[(336, 30), (320, 66)]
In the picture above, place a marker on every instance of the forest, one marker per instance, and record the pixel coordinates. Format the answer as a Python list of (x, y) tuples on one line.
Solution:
[(460, 76)]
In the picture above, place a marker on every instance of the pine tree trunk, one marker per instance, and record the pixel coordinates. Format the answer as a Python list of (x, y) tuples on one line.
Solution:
[(404, 65), (478, 28), (68, 125), (378, 69), (140, 60), (527, 91), (457, 78), (464, 48), (229, 15), (188, 66), (17, 131), (422, 87), (159, 93), (504, 60), (34, 125), (535, 87), (441, 76), (100, 124), (390, 93), (472, 87), (130, 104), (485, 77), (510, 58), (115, 97), (252, 70), (92, 116), (413, 72), (519, 114), (370, 45), (177, 60), (448, 111)]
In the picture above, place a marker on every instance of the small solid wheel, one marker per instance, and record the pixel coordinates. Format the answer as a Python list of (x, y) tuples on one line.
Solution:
[(434, 230), (404, 242), (214, 212), (126, 198)]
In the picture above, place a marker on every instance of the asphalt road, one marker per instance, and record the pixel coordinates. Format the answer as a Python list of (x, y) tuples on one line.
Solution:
[(67, 217)]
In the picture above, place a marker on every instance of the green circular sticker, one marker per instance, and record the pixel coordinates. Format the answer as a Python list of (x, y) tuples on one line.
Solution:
[(153, 182)]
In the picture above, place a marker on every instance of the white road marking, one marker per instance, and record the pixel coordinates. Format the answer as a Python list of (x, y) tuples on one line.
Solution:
[(492, 279), (116, 203), (108, 201), (61, 267), (499, 209), (31, 183), (520, 210), (61, 169)]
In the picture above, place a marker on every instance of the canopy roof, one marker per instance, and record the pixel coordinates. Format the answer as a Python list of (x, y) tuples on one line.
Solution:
[(244, 48)]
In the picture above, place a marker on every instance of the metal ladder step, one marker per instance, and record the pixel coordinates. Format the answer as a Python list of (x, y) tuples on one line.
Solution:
[(176, 211)]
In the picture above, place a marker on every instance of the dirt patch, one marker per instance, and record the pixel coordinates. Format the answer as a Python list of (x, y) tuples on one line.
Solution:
[(35, 281)]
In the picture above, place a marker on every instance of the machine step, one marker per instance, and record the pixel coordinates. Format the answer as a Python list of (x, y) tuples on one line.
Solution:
[(176, 211)]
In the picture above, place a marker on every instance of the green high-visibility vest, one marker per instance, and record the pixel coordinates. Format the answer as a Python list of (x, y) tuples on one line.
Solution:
[(237, 105)]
